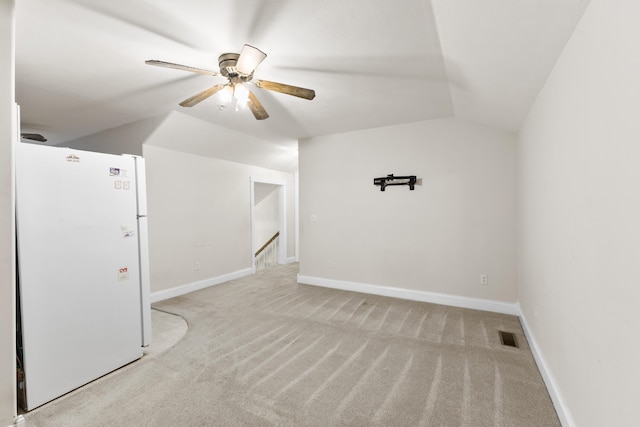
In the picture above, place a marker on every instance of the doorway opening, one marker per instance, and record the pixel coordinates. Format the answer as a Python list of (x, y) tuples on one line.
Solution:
[(268, 223)]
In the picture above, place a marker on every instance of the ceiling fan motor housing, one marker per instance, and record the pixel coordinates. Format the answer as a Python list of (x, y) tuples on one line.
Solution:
[(227, 63)]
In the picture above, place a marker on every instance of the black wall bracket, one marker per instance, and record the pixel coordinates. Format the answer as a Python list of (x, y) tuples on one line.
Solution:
[(388, 180)]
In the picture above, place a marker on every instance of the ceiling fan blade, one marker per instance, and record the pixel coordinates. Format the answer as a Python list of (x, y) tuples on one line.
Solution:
[(199, 97), (300, 92), (180, 67), (250, 58), (256, 107), (33, 137)]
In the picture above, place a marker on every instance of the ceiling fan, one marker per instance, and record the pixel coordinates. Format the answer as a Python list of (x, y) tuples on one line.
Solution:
[(238, 69)]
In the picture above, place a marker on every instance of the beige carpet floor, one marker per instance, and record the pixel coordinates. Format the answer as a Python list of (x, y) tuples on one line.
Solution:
[(264, 350)]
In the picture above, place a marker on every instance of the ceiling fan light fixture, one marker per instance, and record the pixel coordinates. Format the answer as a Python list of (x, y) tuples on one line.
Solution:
[(226, 94), (241, 94), (250, 58)]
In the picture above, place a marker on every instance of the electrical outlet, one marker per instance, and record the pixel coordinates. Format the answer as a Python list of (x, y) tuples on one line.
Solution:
[(196, 266), (484, 279), (329, 263)]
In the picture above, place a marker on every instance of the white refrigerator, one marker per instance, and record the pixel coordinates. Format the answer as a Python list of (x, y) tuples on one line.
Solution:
[(83, 266)]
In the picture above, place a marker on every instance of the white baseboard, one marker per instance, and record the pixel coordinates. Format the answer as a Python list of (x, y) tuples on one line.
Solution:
[(552, 387), (201, 284), (290, 260), (19, 421), (432, 297)]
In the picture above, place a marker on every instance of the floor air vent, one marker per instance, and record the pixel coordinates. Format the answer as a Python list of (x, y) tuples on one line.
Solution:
[(508, 338)]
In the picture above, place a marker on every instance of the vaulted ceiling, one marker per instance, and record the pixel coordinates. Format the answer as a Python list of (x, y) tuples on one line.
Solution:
[(80, 64)]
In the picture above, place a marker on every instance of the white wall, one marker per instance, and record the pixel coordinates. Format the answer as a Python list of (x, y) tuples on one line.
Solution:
[(579, 231), (199, 211), (181, 132), (460, 223), (125, 139), (187, 134), (7, 231)]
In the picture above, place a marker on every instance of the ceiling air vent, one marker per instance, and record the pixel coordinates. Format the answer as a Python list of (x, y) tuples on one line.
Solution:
[(508, 338)]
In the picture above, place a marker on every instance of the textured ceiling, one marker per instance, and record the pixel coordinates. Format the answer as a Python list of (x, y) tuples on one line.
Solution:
[(80, 63)]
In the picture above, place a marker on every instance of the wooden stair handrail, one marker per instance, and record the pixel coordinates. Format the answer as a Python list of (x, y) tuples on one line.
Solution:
[(274, 237)]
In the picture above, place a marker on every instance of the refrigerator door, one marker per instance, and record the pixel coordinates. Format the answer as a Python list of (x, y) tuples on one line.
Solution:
[(145, 299), (78, 267)]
